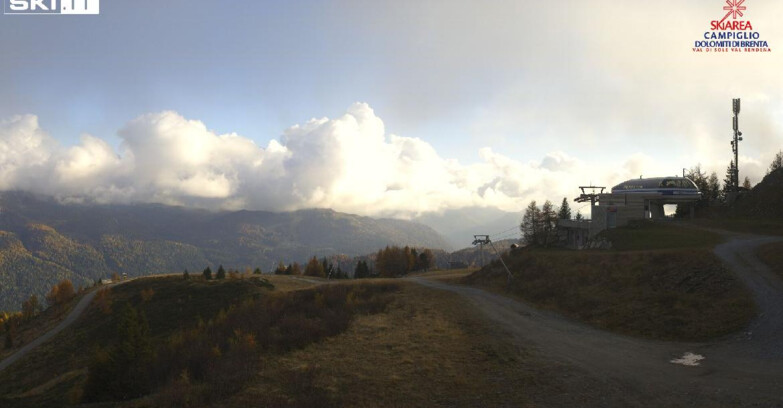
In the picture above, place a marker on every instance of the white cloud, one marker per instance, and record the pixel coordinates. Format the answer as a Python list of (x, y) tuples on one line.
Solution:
[(24, 147), (348, 163)]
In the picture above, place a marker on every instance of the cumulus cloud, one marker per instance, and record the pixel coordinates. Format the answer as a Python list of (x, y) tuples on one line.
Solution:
[(23, 147), (348, 163)]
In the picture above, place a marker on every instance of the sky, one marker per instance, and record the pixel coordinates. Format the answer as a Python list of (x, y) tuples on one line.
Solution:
[(377, 108)]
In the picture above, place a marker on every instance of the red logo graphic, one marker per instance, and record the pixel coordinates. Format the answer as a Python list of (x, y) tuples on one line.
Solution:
[(735, 8)]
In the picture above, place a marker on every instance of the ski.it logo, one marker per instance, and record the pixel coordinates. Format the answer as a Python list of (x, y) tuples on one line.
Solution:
[(35, 7)]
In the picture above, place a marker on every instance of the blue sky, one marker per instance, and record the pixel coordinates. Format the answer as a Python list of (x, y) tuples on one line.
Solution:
[(559, 93), (254, 68)]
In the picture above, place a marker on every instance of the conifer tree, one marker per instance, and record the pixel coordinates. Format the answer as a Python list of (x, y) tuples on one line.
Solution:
[(361, 271), (565, 210), (426, 259), (314, 268), (221, 273), (714, 186), (728, 181), (777, 162), (280, 270), (548, 223)]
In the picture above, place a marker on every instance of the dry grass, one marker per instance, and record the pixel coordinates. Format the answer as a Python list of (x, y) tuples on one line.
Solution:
[(445, 275), (764, 226), (772, 255), (428, 349), (287, 283), (670, 295)]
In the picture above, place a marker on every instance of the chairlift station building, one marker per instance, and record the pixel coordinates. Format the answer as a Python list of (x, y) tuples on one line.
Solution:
[(635, 199)]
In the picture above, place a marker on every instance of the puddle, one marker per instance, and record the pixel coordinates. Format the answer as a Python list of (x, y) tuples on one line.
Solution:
[(688, 359)]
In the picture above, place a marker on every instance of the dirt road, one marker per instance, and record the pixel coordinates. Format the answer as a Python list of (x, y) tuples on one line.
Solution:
[(614, 370), (75, 313)]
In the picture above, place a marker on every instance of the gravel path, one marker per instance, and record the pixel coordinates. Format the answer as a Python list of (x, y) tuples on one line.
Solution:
[(742, 370), (75, 313)]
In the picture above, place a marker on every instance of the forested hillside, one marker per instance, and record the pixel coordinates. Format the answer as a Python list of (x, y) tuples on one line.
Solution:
[(43, 241)]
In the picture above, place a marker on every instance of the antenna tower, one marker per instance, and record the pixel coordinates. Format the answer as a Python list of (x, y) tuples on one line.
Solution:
[(735, 107)]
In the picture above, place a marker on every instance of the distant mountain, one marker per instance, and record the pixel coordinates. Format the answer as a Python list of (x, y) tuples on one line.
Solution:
[(459, 226), (43, 241)]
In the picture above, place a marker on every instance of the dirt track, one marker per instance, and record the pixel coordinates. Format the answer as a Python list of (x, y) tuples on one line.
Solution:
[(605, 369), (72, 316)]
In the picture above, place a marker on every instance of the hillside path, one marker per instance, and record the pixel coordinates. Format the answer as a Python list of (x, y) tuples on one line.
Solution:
[(745, 369), (75, 313)]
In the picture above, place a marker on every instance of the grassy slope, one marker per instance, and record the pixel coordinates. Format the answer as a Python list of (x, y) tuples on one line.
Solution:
[(61, 363), (676, 290), (428, 348), (748, 225), (660, 236), (772, 255), (45, 321)]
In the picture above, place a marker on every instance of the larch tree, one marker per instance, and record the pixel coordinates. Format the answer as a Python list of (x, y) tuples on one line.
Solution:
[(549, 223), (531, 220)]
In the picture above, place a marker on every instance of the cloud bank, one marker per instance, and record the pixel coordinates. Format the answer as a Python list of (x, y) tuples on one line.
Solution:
[(347, 163)]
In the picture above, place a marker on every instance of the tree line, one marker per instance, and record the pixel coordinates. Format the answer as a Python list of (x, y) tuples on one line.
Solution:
[(392, 261), (539, 225), (395, 261), (714, 189)]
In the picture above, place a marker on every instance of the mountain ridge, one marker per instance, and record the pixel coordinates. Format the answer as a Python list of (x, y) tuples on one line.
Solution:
[(44, 240)]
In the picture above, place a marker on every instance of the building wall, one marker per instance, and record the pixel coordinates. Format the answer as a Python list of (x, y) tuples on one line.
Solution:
[(625, 208)]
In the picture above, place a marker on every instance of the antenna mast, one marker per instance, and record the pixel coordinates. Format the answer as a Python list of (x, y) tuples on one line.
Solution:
[(735, 107)]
